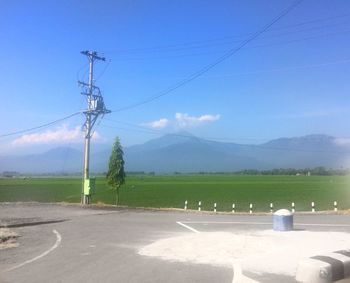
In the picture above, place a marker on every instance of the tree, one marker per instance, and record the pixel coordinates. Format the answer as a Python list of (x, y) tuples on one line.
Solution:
[(116, 174)]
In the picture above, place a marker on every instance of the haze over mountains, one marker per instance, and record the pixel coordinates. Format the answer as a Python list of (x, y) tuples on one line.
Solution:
[(183, 152)]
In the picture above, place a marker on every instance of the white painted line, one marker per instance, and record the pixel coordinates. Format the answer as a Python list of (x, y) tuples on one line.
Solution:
[(324, 225), (58, 242), (238, 276), (225, 222), (265, 223), (187, 227), (237, 272)]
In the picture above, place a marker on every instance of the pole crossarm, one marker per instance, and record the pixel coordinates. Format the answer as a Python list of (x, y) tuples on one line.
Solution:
[(93, 55), (86, 85)]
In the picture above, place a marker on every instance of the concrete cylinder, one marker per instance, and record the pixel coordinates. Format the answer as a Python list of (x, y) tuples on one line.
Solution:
[(283, 220)]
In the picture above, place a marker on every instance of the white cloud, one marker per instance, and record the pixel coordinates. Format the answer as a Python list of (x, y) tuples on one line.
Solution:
[(60, 135), (159, 124), (342, 141), (183, 120)]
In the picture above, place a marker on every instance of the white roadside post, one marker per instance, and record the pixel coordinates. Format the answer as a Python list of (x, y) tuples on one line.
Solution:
[(312, 206), (215, 207), (185, 205), (271, 207), (251, 208), (293, 207), (199, 206), (233, 208), (335, 206)]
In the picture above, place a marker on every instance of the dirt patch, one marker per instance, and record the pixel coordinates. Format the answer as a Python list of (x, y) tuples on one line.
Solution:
[(345, 212), (8, 239)]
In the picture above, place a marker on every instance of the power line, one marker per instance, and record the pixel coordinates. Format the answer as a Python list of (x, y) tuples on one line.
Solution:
[(314, 21), (246, 48), (41, 126), (170, 46), (291, 68), (140, 129), (285, 69), (215, 63), (227, 42), (213, 139), (103, 71), (301, 39), (80, 69), (154, 131)]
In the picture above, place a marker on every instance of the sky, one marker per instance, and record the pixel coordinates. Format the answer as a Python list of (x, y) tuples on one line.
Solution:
[(292, 80)]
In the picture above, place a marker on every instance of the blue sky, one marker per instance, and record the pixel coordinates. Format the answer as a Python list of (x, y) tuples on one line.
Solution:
[(293, 80)]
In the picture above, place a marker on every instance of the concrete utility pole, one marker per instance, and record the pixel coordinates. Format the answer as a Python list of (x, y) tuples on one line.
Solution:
[(96, 107)]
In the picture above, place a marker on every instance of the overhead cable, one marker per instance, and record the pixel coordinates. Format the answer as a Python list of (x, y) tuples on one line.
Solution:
[(40, 126), (264, 146), (213, 64), (170, 46)]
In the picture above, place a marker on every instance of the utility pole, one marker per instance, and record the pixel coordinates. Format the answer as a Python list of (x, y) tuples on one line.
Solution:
[(95, 108)]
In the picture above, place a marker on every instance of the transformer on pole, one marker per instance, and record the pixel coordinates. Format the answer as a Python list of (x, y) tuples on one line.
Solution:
[(95, 108)]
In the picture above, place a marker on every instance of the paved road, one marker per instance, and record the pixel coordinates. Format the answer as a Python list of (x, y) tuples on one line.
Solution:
[(73, 244)]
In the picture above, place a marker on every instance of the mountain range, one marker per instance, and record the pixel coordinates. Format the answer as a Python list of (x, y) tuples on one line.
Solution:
[(183, 152)]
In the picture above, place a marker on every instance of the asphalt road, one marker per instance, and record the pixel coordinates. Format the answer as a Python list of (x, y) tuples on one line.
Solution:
[(67, 243)]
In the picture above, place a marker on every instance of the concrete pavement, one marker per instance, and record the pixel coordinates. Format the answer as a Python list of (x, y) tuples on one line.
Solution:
[(101, 245)]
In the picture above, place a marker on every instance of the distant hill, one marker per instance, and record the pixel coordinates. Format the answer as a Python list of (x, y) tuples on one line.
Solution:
[(183, 152), (186, 153), (57, 160)]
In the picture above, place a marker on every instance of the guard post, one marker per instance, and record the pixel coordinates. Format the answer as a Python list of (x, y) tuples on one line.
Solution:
[(282, 220)]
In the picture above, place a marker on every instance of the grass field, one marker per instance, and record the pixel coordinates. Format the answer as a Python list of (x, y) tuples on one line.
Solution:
[(172, 191)]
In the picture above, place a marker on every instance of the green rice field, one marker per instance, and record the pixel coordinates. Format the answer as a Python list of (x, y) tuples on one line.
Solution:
[(172, 191)]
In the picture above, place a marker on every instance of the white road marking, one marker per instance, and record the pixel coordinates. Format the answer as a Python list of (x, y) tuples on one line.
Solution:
[(187, 227), (238, 276), (325, 225), (58, 242), (225, 222), (264, 223)]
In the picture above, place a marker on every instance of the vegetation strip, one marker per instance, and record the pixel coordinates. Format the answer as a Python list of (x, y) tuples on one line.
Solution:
[(171, 191)]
